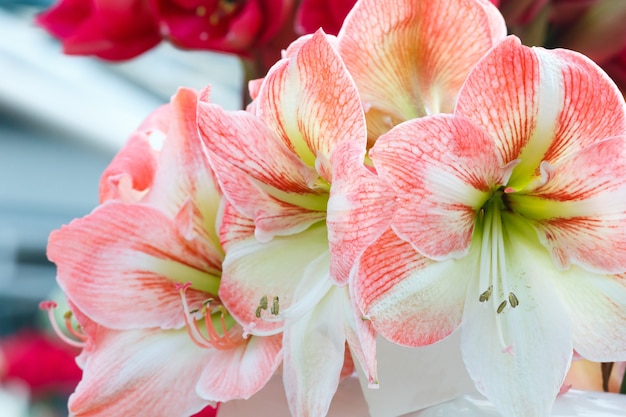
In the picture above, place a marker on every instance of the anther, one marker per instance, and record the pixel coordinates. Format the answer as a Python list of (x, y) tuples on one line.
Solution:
[(486, 294), (501, 307), (513, 300), (263, 302), (262, 306), (275, 306)]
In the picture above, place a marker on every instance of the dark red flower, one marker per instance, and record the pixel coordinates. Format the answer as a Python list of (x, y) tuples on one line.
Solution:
[(112, 30), (234, 26), (325, 14), (43, 363)]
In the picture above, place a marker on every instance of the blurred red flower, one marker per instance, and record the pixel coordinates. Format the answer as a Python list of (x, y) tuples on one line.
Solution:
[(42, 362), (111, 30)]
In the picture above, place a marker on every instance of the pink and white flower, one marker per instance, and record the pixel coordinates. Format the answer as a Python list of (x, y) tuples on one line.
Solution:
[(511, 223), (119, 265), (277, 165), (409, 58)]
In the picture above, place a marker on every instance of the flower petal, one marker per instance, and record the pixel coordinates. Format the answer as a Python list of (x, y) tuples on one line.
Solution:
[(132, 170), (133, 372), (395, 285), (519, 357), (240, 372), (443, 170), (119, 265), (440, 42), (184, 172), (251, 146), (248, 276), (311, 102), (259, 175), (361, 337), (597, 308), (540, 105), (579, 213), (314, 355), (360, 207)]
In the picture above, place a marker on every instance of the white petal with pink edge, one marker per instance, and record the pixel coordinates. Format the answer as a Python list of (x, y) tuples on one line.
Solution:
[(240, 372), (133, 372)]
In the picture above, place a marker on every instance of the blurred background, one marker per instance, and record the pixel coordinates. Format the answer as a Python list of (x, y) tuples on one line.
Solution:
[(62, 119)]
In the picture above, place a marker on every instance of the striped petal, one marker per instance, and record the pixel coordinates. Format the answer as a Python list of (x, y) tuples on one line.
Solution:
[(443, 169), (359, 209), (118, 266), (411, 300), (184, 173), (579, 212), (312, 104), (240, 372), (131, 173), (259, 175), (133, 372), (540, 105), (440, 40)]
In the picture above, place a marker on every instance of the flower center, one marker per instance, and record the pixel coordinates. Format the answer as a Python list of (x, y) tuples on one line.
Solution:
[(493, 266), (220, 329)]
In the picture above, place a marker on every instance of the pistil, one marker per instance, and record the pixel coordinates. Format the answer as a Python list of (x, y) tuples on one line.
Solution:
[(493, 266)]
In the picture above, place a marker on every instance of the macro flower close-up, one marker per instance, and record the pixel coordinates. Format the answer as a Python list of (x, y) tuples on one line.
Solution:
[(510, 224), (313, 208)]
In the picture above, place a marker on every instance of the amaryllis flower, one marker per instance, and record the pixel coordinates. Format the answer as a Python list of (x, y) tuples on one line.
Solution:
[(143, 272), (326, 14), (409, 58), (112, 30), (510, 223), (222, 25), (277, 168)]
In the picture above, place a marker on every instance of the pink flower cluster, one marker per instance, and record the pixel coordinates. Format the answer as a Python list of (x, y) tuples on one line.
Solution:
[(418, 174)]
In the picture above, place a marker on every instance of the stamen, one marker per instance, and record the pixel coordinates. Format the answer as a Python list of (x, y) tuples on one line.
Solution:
[(486, 294), (74, 331), (214, 340), (262, 306), (501, 307), (513, 300), (200, 11), (275, 306), (49, 306)]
